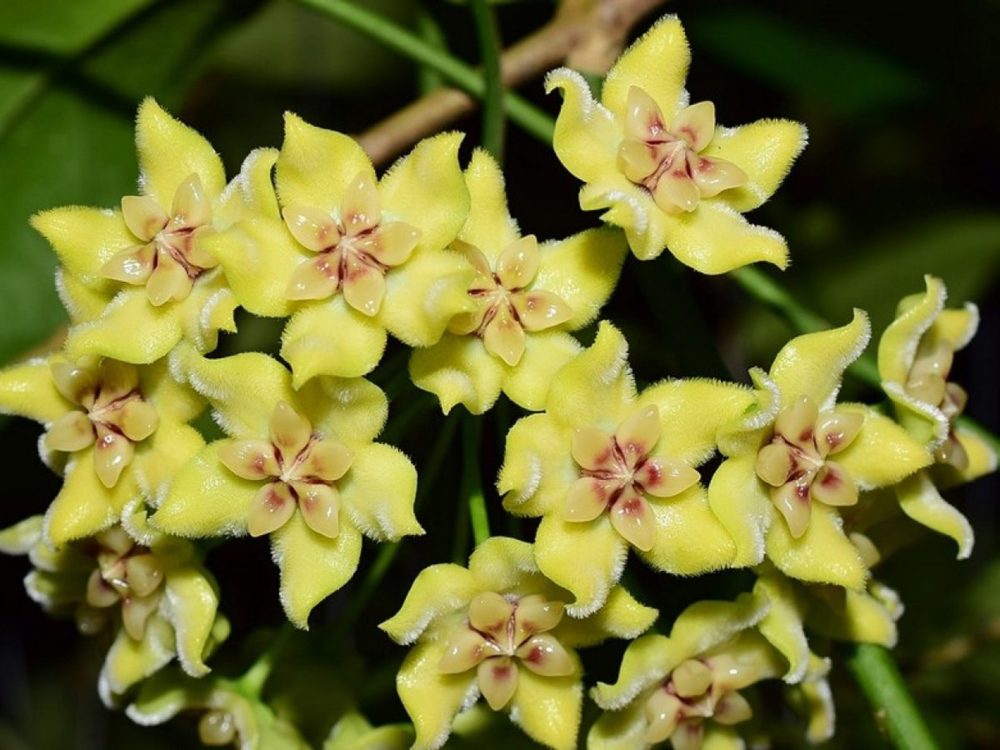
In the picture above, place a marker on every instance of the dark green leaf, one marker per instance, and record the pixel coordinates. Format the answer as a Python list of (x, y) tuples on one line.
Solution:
[(62, 26)]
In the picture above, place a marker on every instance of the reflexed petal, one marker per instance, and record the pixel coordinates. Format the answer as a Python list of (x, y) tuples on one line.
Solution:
[(438, 590), (657, 63), (431, 698), (315, 166), (327, 459), (620, 617), (489, 225), (42, 390), (489, 613), (112, 453), (391, 244), (71, 432), (363, 286), (813, 364), (84, 239), (331, 339), (249, 459), (352, 410), (272, 507), (775, 463), (190, 604), (797, 421), (22, 537), (536, 614), (533, 478), (168, 281), (320, 506), (317, 278), (359, 209), (695, 124), (643, 118), (545, 353), (543, 654), (250, 195), (518, 263), (741, 504), (191, 206), (638, 435), (883, 453), (712, 176), (823, 554), (458, 370), (159, 459), (585, 558), (132, 265), (675, 190), (312, 566), (588, 498), (501, 563), (690, 540), (313, 228), (143, 216), (633, 519), (691, 678), (921, 501), (113, 334), (129, 661), (379, 490), (793, 500), (835, 431), (497, 681), (465, 649), (170, 152), (732, 709), (592, 449), (504, 337), (548, 708), (586, 134), (764, 150), (834, 486), (538, 310), (289, 430)]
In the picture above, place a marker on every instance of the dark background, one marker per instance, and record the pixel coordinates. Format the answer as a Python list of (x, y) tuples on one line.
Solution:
[(899, 179)]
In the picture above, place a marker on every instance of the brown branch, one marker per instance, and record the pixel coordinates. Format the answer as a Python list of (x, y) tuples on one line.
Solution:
[(586, 34)]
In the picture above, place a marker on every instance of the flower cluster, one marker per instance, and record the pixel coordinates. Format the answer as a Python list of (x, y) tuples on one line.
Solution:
[(805, 491)]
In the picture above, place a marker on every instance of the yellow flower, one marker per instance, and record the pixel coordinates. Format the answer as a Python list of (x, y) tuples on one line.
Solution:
[(525, 296), (497, 628), (663, 170), (349, 256), (798, 456), (608, 468), (915, 357), (685, 688), (300, 466), (119, 430), (151, 589)]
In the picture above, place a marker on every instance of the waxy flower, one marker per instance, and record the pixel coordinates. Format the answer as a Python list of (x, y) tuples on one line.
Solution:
[(145, 267), (300, 466), (152, 591), (350, 256), (798, 456), (915, 357), (608, 468), (119, 430), (685, 688), (663, 170), (498, 629), (526, 297)]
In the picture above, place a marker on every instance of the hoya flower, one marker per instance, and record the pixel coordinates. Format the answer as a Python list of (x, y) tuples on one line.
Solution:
[(144, 267), (685, 688), (662, 169), (525, 297), (153, 592), (120, 431), (498, 629), (299, 466), (350, 256), (798, 456), (609, 469), (915, 357)]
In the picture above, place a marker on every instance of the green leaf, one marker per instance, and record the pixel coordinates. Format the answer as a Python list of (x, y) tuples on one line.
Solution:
[(849, 79), (62, 26)]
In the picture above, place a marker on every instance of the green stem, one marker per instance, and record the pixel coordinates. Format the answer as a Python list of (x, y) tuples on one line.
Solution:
[(489, 52), (895, 711), (429, 79), (472, 483), (530, 118), (252, 682)]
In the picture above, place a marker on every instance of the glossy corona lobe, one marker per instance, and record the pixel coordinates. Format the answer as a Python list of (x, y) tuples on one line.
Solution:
[(498, 629), (664, 171)]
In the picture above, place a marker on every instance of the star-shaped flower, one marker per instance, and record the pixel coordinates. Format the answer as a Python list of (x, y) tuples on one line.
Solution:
[(797, 456), (663, 170), (151, 590), (608, 468), (300, 466), (145, 267), (498, 629), (525, 298), (915, 357), (118, 430)]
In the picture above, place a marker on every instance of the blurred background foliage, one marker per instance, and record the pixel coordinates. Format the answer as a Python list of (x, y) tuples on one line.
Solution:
[(899, 179)]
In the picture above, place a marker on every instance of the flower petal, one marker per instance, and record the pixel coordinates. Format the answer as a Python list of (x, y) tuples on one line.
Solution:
[(170, 152), (250, 195), (502, 563), (351, 410), (459, 370), (547, 708), (489, 226), (431, 698), (84, 504), (883, 453), (29, 390), (113, 334), (312, 566), (619, 730), (190, 605), (620, 617), (585, 558), (84, 239), (921, 501), (158, 459), (331, 338), (537, 470), (823, 554), (586, 135), (437, 591), (690, 540), (545, 353), (315, 166), (378, 492), (765, 150), (657, 63), (782, 626), (426, 189), (130, 661), (738, 500)]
